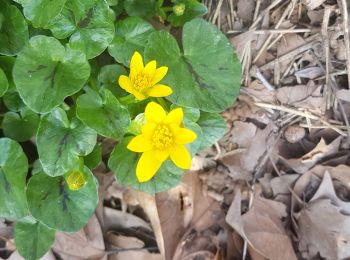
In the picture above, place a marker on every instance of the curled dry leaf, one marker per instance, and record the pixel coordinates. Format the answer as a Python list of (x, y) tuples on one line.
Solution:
[(243, 133), (306, 162), (294, 133), (262, 227)]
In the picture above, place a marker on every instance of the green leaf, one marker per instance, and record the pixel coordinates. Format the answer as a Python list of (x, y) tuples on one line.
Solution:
[(145, 8), (4, 84), (108, 78), (13, 171), (33, 240), (41, 12), (123, 163), (93, 159), (13, 29), (89, 24), (45, 73), (13, 101), (61, 143), (118, 8), (54, 204), (191, 9), (207, 75), (20, 127), (213, 128), (131, 35), (103, 113)]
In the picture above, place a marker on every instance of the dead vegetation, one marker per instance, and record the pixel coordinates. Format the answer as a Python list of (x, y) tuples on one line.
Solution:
[(276, 186)]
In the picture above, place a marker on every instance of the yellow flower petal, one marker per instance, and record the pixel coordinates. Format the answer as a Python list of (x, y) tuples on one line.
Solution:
[(159, 90), (181, 157), (148, 129), (136, 63), (150, 69), (159, 74), (138, 95), (147, 166), (139, 144), (175, 116), (162, 155), (154, 113), (185, 136), (125, 83)]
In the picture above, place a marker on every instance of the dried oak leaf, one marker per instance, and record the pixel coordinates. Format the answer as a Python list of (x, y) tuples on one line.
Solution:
[(262, 227)]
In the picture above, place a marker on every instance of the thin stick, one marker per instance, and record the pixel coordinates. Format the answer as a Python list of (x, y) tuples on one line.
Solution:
[(344, 9), (273, 31)]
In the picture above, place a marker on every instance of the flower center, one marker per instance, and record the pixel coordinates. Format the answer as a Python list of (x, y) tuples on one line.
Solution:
[(141, 81), (162, 137)]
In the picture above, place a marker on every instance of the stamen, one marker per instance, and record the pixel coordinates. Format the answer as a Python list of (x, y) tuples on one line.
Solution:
[(162, 137), (141, 81)]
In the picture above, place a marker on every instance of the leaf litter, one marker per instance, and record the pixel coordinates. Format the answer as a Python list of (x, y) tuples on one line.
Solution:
[(276, 185)]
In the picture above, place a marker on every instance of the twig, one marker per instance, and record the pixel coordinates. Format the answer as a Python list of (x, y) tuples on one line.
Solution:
[(118, 250), (272, 31), (345, 14)]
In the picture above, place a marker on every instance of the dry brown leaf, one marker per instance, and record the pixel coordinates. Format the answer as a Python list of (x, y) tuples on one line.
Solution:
[(241, 41), (281, 185), (289, 42), (306, 162), (310, 72), (262, 227), (263, 140), (302, 96), (313, 4), (323, 229), (115, 219), (344, 94), (84, 244), (243, 133), (260, 92), (245, 10)]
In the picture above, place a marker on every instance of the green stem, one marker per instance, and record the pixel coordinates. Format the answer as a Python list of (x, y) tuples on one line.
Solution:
[(129, 99)]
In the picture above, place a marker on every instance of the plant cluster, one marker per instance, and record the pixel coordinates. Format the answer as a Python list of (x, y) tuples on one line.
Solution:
[(74, 72)]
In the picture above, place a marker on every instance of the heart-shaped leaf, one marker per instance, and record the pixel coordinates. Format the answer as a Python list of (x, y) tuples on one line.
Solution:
[(33, 240), (89, 24), (61, 143), (186, 10), (41, 12), (108, 79), (93, 159), (20, 127), (4, 84), (13, 29), (13, 171), (145, 8), (208, 69), (213, 127), (45, 73), (54, 204), (131, 35), (103, 113), (123, 163)]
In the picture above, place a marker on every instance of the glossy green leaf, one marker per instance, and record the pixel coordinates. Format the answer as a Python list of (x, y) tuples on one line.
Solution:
[(104, 113), (208, 69), (13, 29), (89, 24), (4, 84), (185, 10), (123, 163), (61, 143), (145, 8), (33, 240), (41, 12), (131, 35), (54, 204), (20, 127), (93, 159), (45, 73), (213, 127), (13, 171), (108, 78)]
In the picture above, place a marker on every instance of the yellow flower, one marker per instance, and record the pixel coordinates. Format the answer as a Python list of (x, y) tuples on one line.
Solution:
[(75, 180), (161, 137), (143, 80)]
